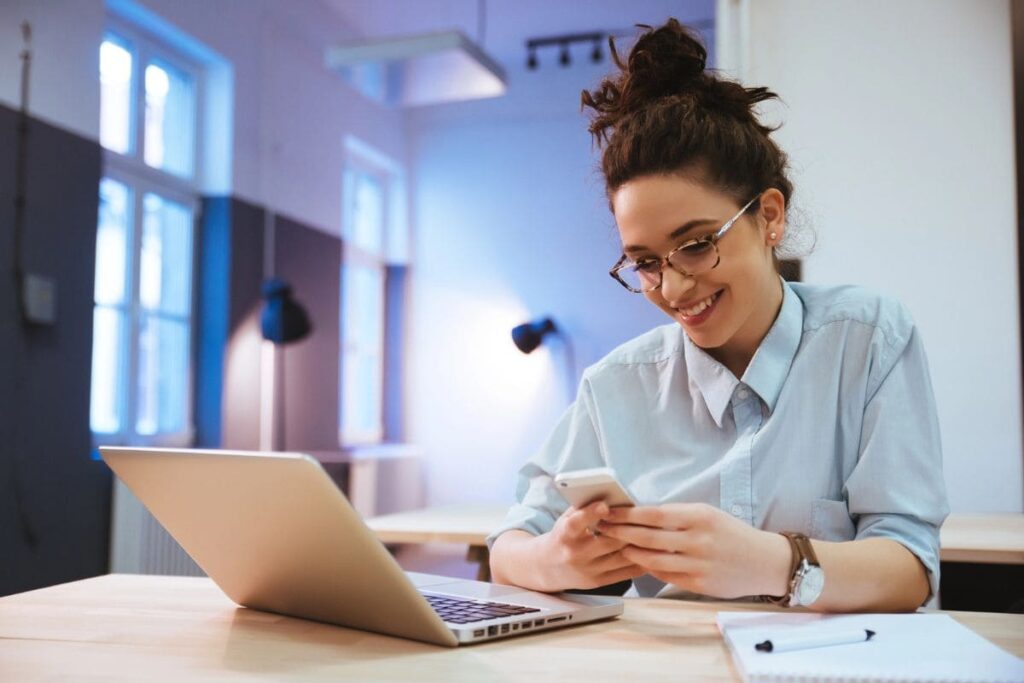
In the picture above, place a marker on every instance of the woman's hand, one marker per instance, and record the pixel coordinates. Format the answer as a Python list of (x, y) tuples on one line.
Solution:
[(701, 549), (571, 555), (581, 557)]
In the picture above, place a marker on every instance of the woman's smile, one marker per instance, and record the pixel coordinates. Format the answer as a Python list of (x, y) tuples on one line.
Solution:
[(696, 314)]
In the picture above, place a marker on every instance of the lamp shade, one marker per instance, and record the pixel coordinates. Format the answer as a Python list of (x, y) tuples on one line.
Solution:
[(284, 320), (529, 336)]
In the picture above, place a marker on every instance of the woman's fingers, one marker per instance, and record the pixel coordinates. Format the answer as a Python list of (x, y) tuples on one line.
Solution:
[(630, 571), (610, 562), (584, 520), (662, 562), (649, 537), (668, 516)]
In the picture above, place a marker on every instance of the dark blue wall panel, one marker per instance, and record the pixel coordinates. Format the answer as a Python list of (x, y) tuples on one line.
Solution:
[(54, 498)]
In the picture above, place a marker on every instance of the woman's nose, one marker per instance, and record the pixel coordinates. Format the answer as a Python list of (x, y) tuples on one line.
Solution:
[(676, 287)]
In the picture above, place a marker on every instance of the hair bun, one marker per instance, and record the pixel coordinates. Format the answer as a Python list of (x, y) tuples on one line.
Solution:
[(665, 61)]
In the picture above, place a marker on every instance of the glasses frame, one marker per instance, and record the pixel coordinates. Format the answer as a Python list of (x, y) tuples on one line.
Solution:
[(712, 239)]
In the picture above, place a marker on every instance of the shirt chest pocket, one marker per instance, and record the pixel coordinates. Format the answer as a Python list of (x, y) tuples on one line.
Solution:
[(830, 521)]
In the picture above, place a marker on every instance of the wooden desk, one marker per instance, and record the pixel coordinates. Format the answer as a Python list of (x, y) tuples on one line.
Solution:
[(977, 538), (123, 627)]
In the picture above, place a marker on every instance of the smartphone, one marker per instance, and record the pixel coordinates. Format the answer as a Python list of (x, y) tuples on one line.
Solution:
[(583, 487)]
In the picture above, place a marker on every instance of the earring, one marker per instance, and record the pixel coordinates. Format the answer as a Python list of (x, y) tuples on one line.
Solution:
[(772, 236)]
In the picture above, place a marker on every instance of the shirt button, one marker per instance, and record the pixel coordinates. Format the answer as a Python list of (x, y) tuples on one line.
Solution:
[(742, 393), (736, 510)]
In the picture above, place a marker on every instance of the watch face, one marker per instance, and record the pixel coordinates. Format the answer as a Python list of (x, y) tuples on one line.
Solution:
[(810, 584)]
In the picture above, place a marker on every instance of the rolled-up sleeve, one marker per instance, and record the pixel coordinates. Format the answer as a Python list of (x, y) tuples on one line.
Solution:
[(574, 444), (897, 490)]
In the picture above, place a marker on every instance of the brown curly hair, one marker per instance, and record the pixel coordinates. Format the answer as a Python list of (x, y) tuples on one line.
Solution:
[(664, 112)]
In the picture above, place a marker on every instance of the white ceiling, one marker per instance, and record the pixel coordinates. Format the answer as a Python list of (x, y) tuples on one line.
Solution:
[(509, 23)]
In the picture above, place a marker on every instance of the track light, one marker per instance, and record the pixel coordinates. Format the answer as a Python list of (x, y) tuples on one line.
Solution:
[(564, 58), (531, 61), (564, 44)]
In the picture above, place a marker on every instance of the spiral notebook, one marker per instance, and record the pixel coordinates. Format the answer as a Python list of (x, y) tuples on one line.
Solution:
[(906, 647)]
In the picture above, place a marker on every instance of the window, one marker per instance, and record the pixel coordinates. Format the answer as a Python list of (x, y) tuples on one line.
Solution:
[(373, 223), (142, 316)]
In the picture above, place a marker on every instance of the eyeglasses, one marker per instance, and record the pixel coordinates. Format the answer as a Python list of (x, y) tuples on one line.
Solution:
[(689, 259)]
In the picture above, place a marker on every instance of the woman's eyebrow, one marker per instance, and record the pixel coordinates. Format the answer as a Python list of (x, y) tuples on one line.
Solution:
[(676, 234)]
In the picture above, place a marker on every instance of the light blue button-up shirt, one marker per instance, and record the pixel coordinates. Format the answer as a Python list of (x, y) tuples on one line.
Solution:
[(831, 431)]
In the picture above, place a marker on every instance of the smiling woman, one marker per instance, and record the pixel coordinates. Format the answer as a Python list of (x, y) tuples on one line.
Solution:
[(780, 439)]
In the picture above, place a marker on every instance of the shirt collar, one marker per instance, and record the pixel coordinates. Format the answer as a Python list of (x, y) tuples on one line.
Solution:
[(768, 368)]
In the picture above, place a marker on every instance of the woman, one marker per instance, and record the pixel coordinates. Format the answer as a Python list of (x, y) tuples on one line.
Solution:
[(780, 439)]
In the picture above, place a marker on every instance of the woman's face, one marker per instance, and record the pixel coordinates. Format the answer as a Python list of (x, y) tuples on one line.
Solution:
[(729, 309)]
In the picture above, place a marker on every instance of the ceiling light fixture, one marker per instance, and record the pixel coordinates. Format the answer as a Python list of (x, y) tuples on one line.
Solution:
[(564, 44), (411, 71), (597, 39)]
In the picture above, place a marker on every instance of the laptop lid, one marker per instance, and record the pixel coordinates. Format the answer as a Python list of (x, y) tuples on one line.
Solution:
[(275, 533)]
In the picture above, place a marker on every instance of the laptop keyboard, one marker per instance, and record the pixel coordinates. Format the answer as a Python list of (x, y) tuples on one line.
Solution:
[(461, 611)]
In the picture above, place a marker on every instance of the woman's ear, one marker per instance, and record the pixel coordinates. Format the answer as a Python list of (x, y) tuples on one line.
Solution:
[(773, 211)]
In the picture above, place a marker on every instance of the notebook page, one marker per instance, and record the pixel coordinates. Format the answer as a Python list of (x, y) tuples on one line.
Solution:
[(906, 647)]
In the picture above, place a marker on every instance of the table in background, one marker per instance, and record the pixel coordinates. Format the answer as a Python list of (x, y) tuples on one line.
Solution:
[(983, 562), (123, 627), (467, 524), (984, 538)]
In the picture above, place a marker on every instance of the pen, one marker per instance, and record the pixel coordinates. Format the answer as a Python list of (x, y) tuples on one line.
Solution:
[(805, 641)]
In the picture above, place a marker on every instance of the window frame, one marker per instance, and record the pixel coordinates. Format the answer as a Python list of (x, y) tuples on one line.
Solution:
[(146, 49), (131, 170), (364, 160)]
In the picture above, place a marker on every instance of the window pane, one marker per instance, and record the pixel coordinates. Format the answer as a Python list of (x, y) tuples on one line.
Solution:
[(170, 117), (363, 307), (367, 219), (362, 398), (165, 270), (112, 242), (107, 370), (116, 96), (363, 333), (163, 375)]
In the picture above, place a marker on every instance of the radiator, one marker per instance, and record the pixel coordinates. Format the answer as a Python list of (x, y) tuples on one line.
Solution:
[(139, 544)]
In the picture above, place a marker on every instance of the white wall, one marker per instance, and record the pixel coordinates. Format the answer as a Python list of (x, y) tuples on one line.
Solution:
[(511, 224), (64, 88), (899, 123), (291, 115)]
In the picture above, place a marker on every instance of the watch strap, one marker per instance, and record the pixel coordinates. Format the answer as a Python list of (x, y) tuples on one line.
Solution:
[(795, 558), (802, 544)]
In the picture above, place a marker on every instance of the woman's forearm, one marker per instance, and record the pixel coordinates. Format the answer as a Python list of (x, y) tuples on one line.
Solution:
[(511, 562), (870, 575)]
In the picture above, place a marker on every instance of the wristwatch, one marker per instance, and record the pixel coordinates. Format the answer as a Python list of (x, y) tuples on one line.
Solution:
[(806, 577)]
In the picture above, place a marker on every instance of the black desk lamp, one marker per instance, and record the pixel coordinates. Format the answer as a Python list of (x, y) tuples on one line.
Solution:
[(529, 336), (283, 321)]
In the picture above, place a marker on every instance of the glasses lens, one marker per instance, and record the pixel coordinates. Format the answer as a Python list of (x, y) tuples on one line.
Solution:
[(695, 257), (643, 276)]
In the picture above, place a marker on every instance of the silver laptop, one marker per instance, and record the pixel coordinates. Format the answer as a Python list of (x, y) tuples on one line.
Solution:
[(276, 534)]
